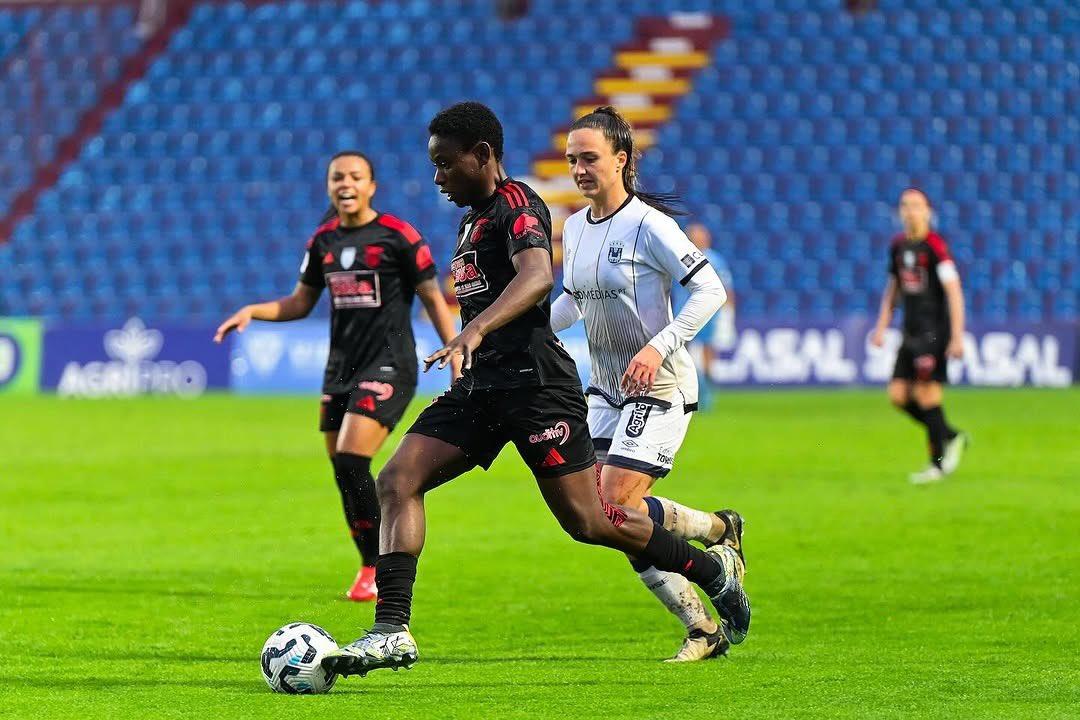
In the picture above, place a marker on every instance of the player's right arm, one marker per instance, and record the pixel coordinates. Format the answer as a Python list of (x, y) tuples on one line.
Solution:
[(564, 311), (531, 284), (294, 306), (885, 313)]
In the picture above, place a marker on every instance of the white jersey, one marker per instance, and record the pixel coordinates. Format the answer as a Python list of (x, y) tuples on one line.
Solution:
[(619, 272)]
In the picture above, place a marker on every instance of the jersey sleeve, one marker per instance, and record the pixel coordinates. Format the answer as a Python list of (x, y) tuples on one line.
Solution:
[(417, 262), (943, 263), (527, 225), (311, 266), (667, 246)]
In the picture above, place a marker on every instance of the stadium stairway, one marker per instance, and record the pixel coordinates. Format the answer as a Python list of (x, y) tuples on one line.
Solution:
[(651, 72)]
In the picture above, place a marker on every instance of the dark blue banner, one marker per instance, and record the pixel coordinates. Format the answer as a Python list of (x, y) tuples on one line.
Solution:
[(133, 359), (803, 353)]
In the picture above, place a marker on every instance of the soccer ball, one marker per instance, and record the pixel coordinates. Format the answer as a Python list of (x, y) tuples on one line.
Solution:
[(290, 660)]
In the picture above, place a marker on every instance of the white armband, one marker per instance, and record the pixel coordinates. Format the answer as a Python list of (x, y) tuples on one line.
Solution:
[(946, 272)]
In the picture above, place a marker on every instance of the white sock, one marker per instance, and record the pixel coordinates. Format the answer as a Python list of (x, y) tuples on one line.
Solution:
[(677, 594), (687, 523)]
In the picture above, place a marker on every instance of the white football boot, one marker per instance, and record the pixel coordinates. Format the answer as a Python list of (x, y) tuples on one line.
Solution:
[(931, 474), (376, 649)]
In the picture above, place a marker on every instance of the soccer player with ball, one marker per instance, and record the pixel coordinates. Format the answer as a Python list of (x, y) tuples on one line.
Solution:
[(519, 386)]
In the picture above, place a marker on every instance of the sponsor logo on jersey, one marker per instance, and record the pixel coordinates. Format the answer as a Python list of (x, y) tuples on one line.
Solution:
[(348, 255), (354, 289), (638, 417), (560, 431), (629, 444), (478, 230), (664, 459), (913, 280), (469, 279), (373, 255), (691, 259), (598, 294), (527, 225), (382, 391)]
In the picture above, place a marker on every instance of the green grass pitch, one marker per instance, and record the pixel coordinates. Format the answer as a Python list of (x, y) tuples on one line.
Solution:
[(150, 546)]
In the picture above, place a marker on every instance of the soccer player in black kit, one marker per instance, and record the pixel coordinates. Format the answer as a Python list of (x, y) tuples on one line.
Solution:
[(923, 273), (518, 386), (373, 264)]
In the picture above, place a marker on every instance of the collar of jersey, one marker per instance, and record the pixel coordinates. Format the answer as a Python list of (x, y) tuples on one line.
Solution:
[(494, 196), (589, 217), (374, 221)]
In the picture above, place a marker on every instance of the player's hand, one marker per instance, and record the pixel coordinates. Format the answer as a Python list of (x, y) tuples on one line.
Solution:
[(237, 321), (641, 372), (955, 348), (463, 346), (878, 338)]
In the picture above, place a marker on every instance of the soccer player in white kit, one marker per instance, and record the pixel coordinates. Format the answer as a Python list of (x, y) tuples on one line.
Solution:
[(620, 257)]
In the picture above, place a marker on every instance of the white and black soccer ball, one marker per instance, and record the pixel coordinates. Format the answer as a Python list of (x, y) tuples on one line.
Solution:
[(290, 660)]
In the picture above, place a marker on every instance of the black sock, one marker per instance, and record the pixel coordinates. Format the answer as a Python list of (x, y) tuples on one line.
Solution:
[(395, 574), (666, 552), (936, 432), (912, 408), (639, 565), (361, 502)]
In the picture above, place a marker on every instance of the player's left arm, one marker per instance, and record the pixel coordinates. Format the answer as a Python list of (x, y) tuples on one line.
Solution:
[(954, 295), (530, 286), (672, 252)]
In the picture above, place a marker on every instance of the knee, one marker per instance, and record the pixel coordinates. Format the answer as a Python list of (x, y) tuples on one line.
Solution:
[(586, 529), (898, 395), (392, 484)]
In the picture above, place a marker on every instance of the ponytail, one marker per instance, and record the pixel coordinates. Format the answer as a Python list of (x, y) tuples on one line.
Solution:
[(618, 132)]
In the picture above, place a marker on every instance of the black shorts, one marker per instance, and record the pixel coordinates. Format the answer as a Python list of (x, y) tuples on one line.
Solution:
[(382, 401), (922, 360), (547, 424)]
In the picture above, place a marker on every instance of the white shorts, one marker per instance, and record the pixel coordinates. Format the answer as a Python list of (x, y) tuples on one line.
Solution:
[(638, 437)]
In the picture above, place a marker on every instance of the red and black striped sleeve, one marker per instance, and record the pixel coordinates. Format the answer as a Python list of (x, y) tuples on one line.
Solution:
[(524, 218)]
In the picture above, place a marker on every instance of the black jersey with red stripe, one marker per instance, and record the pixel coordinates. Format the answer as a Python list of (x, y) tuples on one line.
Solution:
[(914, 264), (372, 272), (524, 352)]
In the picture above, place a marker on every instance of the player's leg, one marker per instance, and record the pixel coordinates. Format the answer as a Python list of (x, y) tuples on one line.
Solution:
[(451, 436), (946, 444), (419, 464), (359, 439), (573, 500), (704, 638), (349, 471), (645, 440), (901, 397)]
